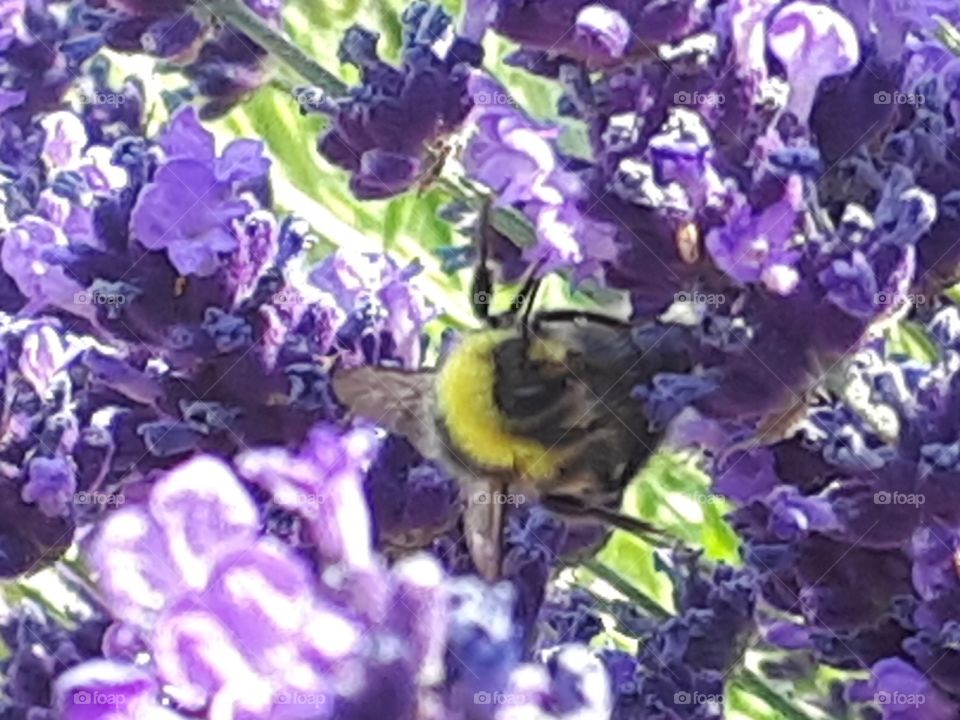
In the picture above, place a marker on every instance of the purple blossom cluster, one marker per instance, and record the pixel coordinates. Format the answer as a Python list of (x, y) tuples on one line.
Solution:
[(386, 132), (222, 63), (863, 496), (780, 178)]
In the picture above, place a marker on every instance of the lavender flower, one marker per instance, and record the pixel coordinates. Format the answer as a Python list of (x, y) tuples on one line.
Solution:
[(193, 177), (42, 649), (517, 158), (679, 671), (813, 42), (865, 492), (383, 313), (382, 133), (185, 572), (599, 34)]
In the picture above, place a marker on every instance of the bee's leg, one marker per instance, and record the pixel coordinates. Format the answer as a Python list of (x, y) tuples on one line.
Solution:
[(573, 507), (483, 528)]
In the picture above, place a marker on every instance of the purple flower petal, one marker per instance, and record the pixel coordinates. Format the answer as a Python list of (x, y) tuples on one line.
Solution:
[(102, 690), (383, 174), (813, 41), (42, 357), (66, 139), (242, 161), (902, 693), (51, 484), (201, 507), (11, 98), (29, 255), (602, 34), (185, 137)]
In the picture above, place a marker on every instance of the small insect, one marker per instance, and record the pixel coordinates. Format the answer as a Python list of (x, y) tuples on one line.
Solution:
[(537, 405)]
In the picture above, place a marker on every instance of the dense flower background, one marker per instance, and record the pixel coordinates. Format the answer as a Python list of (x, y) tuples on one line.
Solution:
[(189, 526)]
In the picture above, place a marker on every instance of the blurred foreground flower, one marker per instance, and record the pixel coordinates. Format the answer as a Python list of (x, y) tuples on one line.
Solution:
[(238, 624)]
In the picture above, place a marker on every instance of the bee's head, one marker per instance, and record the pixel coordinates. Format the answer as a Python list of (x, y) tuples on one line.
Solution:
[(530, 375)]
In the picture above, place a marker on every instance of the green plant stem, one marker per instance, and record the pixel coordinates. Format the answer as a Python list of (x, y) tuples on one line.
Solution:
[(626, 588), (948, 34), (236, 13), (757, 686)]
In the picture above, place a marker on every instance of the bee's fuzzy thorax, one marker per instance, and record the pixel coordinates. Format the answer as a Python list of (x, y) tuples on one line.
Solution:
[(475, 425)]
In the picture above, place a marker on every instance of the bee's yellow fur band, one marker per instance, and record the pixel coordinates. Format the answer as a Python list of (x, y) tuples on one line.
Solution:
[(465, 399)]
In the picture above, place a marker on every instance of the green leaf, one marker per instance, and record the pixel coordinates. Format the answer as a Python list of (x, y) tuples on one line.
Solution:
[(911, 339), (949, 34), (513, 224)]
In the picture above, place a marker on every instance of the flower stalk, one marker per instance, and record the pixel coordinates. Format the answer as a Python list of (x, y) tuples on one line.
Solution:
[(236, 13)]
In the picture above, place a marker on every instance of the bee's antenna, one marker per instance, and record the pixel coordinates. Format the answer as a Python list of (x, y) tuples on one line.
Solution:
[(526, 299), (482, 287)]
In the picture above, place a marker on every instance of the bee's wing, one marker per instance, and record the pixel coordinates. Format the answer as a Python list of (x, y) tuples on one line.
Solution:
[(400, 401)]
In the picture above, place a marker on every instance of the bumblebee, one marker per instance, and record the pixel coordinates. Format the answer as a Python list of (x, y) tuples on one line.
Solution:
[(538, 404)]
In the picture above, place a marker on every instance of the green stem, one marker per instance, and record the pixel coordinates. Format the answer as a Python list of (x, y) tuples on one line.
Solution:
[(626, 588), (757, 686), (237, 14), (948, 34)]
